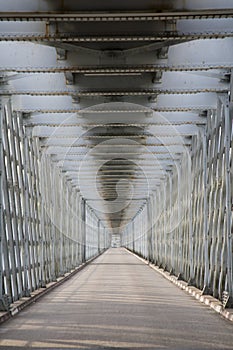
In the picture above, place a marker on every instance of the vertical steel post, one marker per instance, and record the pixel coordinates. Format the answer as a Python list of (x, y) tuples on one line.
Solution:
[(190, 221), (1, 212), (133, 236), (61, 224), (227, 140), (180, 243), (104, 238), (74, 242), (149, 229), (155, 213), (159, 233), (165, 223), (152, 229), (42, 255), (172, 233), (67, 228), (83, 218), (99, 228), (205, 218), (53, 227), (26, 218)]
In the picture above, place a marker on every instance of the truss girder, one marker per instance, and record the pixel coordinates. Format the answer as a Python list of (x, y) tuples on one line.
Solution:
[(163, 30), (115, 119), (37, 246), (193, 55), (189, 232), (171, 82)]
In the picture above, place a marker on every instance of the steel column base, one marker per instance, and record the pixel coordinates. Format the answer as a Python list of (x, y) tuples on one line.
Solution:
[(191, 282), (180, 277), (206, 291), (5, 303)]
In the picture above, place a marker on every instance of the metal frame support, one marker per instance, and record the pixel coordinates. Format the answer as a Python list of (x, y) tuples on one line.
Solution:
[(99, 229), (227, 140), (83, 225), (171, 230), (105, 237), (149, 230), (61, 224), (205, 216), (180, 233), (53, 229), (133, 236), (4, 305), (191, 235), (165, 223), (1, 212), (39, 239), (27, 217)]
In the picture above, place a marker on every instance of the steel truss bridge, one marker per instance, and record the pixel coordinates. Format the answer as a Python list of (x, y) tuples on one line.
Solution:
[(116, 121)]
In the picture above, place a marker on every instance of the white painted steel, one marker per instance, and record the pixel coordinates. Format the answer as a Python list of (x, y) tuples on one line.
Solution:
[(124, 132)]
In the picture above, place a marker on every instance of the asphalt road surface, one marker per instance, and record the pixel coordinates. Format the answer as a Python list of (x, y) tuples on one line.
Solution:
[(117, 302)]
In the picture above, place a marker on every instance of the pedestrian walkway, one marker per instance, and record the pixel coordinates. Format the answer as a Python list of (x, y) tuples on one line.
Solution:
[(117, 302)]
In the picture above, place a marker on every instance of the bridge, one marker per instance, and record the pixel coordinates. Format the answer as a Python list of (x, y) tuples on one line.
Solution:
[(116, 174)]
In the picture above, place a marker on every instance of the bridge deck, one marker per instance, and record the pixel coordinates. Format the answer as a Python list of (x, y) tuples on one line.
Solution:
[(117, 302)]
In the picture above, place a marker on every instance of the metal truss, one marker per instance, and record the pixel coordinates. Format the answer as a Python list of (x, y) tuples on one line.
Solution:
[(42, 215), (116, 120), (185, 226)]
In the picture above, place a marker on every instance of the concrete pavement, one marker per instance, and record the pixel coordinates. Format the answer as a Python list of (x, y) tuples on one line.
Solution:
[(117, 302)]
